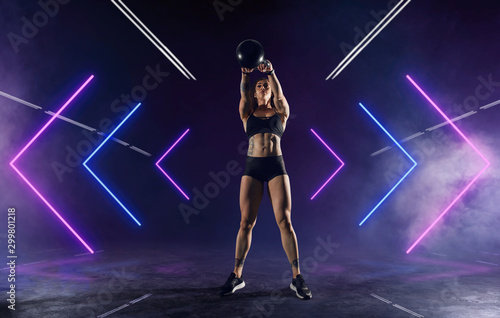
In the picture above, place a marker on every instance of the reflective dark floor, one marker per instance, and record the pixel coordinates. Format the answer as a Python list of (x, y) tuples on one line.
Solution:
[(182, 282)]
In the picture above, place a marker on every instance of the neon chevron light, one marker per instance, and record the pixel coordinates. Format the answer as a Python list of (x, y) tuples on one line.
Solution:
[(163, 171), (468, 185), (151, 37), (402, 178), (97, 178), (368, 38), (31, 185), (333, 175)]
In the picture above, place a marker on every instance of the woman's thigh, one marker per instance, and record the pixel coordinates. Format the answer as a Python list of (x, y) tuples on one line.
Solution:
[(251, 191), (281, 197)]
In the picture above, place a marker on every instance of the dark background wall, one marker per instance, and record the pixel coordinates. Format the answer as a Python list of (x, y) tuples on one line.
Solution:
[(448, 47)]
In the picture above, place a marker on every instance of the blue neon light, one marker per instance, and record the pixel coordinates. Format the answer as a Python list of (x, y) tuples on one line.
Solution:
[(401, 180), (99, 180)]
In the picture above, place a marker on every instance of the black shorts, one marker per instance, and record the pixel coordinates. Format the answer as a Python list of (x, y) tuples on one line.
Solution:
[(264, 168)]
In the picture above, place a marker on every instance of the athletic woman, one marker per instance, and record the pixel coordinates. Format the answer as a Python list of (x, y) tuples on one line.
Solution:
[(264, 112)]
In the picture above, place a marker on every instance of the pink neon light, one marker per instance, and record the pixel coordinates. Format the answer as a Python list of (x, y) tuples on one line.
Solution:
[(158, 164), (29, 183), (333, 175), (468, 185)]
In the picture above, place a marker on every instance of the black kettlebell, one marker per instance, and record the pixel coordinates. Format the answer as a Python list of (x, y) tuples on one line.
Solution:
[(250, 54)]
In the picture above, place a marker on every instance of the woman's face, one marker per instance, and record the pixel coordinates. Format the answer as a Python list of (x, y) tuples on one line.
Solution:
[(263, 89)]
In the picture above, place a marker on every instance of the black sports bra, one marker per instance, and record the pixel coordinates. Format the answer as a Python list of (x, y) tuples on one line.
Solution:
[(271, 124)]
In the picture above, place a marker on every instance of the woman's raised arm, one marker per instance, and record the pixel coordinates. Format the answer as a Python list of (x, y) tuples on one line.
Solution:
[(246, 98), (279, 98)]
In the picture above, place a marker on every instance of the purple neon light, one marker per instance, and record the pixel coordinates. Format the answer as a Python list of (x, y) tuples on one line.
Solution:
[(336, 171), (163, 171), (468, 185), (31, 185)]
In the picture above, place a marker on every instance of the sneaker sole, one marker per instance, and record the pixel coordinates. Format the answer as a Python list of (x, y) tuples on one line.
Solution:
[(239, 286), (297, 293)]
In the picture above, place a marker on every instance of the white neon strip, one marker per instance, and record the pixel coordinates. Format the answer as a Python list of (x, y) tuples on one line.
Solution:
[(83, 254), (404, 140), (464, 115), (452, 120), (412, 136), (487, 263), (397, 306), (490, 105), (154, 37), (121, 142), (113, 311), (438, 126), (368, 38), (408, 310), (124, 306), (71, 121), (380, 151), (381, 298), (20, 100), (151, 37), (140, 298), (140, 150), (18, 265), (438, 254), (34, 263), (489, 253)]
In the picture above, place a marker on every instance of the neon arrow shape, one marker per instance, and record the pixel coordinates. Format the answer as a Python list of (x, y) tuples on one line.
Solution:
[(468, 185), (70, 228), (163, 171), (336, 171), (402, 178), (97, 178)]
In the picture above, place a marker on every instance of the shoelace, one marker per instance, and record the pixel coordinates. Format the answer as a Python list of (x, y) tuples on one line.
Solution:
[(300, 281), (234, 281)]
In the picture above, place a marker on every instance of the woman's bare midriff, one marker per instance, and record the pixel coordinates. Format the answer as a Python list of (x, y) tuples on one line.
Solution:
[(264, 145)]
